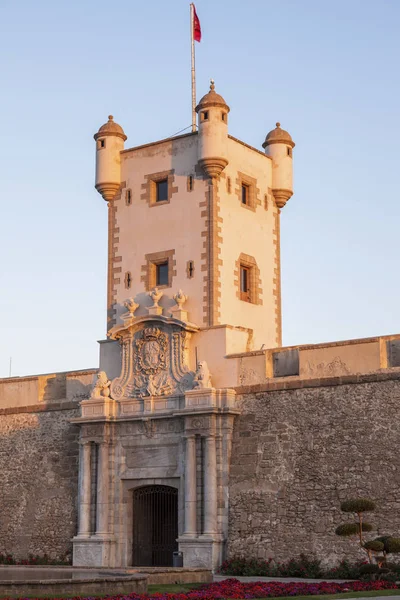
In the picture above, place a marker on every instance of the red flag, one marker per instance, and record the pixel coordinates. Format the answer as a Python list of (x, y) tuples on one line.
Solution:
[(196, 26)]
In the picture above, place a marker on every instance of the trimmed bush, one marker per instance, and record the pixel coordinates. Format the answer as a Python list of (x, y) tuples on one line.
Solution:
[(392, 545), (369, 569), (358, 505), (374, 545), (352, 528)]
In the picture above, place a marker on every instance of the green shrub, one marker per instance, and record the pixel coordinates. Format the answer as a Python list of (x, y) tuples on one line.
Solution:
[(303, 566), (392, 545), (374, 545), (352, 528), (389, 577), (369, 569), (358, 505), (344, 570)]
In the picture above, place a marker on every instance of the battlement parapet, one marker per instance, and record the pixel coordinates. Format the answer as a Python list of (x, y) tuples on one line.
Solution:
[(46, 389), (347, 358)]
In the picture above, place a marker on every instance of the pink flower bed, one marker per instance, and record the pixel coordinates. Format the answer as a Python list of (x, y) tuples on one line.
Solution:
[(232, 588)]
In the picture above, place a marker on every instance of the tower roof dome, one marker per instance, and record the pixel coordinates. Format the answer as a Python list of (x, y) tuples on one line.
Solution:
[(111, 128), (212, 99), (278, 136)]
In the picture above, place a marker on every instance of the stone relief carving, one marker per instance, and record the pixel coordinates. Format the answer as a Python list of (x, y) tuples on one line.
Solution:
[(154, 363), (92, 431), (202, 378), (148, 427), (87, 554), (336, 367), (198, 423), (101, 388)]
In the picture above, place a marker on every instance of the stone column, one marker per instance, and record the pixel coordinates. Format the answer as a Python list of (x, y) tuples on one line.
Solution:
[(85, 483), (190, 486), (210, 486), (102, 490)]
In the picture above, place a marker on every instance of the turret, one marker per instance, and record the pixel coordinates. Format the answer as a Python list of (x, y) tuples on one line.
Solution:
[(279, 145), (213, 132), (109, 143)]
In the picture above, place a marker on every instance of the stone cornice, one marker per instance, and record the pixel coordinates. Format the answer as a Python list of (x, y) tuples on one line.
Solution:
[(184, 412), (170, 139), (39, 408), (288, 383), (116, 331)]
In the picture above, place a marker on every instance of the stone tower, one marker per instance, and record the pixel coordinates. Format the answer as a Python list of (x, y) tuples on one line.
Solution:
[(201, 213), (193, 293)]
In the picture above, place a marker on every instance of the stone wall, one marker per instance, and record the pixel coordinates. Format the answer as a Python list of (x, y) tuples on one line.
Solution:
[(299, 449), (39, 462), (39, 472)]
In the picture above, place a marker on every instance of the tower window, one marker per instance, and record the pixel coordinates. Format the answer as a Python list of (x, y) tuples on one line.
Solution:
[(128, 197), (223, 115), (289, 151), (204, 115), (247, 279), (162, 190), (159, 188), (159, 269), (101, 143), (190, 183), (128, 280), (162, 273), (245, 193), (245, 274)]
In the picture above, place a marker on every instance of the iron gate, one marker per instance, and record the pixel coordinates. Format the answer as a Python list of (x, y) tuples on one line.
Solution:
[(155, 525)]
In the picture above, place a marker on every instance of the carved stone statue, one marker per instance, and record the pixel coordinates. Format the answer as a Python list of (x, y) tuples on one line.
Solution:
[(155, 295), (131, 305), (202, 378), (180, 299), (101, 388)]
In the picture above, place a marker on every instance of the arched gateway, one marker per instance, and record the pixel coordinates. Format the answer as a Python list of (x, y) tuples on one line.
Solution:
[(155, 525)]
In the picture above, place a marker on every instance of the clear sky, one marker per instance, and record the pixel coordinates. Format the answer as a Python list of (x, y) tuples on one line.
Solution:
[(328, 70)]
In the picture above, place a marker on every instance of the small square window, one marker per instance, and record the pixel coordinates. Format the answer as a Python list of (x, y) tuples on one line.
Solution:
[(245, 194), (204, 115), (162, 273), (101, 144), (162, 190), (245, 283)]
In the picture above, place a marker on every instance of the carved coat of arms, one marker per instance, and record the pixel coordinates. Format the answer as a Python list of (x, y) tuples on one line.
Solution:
[(154, 363)]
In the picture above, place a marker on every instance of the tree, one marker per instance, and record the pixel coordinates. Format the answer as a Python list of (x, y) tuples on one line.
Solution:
[(377, 548)]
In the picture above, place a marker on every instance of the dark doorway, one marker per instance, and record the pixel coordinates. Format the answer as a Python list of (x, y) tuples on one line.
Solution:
[(155, 525)]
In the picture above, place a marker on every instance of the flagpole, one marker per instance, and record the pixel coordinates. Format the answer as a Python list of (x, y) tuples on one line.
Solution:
[(193, 68)]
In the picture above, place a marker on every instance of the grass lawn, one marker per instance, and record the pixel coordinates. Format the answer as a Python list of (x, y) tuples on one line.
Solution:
[(186, 587)]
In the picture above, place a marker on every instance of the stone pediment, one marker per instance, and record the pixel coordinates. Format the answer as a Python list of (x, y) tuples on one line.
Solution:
[(155, 358)]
